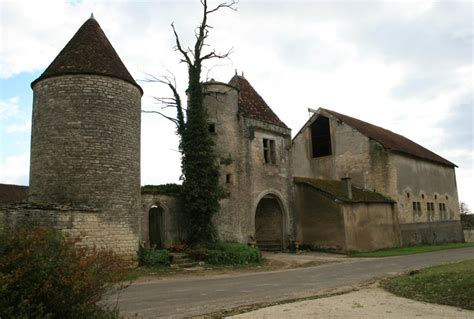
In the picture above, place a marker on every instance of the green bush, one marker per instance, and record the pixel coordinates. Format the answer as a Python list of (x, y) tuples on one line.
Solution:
[(233, 253), (44, 274), (153, 257)]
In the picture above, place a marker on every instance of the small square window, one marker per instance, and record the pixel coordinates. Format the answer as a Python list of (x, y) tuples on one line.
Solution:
[(211, 128)]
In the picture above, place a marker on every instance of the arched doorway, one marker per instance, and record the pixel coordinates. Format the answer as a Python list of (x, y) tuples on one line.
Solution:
[(155, 226), (269, 224)]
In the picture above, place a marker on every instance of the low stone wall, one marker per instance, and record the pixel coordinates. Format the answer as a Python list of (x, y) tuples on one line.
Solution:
[(102, 229), (431, 233), (172, 218), (469, 235)]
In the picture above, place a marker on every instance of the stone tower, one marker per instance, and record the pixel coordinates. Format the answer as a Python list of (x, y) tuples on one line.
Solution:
[(85, 145), (85, 139)]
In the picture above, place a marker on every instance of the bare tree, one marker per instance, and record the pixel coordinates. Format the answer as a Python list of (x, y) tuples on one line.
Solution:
[(200, 172)]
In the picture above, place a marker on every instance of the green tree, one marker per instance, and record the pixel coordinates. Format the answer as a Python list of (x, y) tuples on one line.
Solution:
[(467, 219), (200, 171)]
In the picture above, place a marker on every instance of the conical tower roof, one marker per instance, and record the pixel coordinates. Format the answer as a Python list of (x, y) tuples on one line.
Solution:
[(88, 52), (251, 104)]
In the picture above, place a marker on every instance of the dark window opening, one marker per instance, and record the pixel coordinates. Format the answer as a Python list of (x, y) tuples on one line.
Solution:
[(321, 137), (417, 207), (228, 178), (446, 197), (423, 196), (436, 196), (269, 153), (408, 195), (211, 128)]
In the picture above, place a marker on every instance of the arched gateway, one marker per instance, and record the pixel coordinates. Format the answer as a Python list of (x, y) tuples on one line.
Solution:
[(269, 224)]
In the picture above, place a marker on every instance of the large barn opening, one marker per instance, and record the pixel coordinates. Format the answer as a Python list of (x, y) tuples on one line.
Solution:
[(321, 137), (155, 227), (269, 224)]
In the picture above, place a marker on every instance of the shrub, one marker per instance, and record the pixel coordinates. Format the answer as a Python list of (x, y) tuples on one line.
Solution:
[(153, 257), (233, 253), (162, 189), (44, 274)]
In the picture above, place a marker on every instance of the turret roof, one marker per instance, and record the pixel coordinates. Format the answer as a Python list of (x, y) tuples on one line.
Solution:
[(88, 52), (252, 104)]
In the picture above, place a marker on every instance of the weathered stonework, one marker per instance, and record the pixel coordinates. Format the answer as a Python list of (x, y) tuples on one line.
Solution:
[(85, 144), (239, 145), (401, 177), (173, 229)]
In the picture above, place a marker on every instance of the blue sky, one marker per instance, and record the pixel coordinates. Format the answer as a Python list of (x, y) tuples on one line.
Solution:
[(402, 65)]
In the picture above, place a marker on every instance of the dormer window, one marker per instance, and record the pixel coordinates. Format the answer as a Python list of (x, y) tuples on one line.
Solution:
[(269, 153), (321, 137)]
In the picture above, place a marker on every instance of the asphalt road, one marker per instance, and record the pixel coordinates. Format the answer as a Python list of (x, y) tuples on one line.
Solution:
[(185, 297)]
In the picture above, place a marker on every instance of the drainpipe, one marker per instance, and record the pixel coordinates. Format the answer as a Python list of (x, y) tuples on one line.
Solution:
[(347, 186)]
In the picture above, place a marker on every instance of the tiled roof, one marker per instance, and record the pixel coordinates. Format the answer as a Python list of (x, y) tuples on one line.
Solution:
[(13, 193), (389, 139), (334, 189), (88, 52), (252, 104)]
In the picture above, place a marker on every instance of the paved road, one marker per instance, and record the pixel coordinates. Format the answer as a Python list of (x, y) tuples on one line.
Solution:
[(177, 298)]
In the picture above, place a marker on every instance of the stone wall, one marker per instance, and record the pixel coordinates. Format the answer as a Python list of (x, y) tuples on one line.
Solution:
[(469, 235), (85, 144), (173, 221), (370, 226), (97, 228), (320, 219), (245, 176), (431, 233)]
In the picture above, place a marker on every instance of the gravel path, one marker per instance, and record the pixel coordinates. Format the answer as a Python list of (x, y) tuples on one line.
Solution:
[(366, 303)]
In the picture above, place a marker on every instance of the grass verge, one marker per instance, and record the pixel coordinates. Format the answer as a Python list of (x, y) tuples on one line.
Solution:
[(451, 284), (400, 251)]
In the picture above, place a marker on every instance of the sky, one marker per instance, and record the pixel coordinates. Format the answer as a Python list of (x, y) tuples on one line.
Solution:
[(402, 65)]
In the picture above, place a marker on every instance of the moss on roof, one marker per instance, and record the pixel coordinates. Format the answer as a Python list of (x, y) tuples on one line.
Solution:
[(334, 189)]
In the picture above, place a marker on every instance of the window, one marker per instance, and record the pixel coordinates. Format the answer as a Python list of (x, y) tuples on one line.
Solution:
[(416, 207), (430, 209), (228, 178), (269, 153), (211, 128), (442, 211), (321, 137)]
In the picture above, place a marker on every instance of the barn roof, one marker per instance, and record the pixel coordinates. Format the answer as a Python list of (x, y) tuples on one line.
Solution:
[(252, 104), (88, 52)]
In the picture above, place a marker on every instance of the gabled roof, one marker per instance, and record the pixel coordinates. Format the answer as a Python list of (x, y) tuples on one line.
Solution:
[(252, 104), (390, 140), (13, 193), (334, 190), (88, 52)]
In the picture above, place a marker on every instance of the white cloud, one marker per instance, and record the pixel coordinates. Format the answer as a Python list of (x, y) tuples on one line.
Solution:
[(9, 107), (15, 169), (19, 128)]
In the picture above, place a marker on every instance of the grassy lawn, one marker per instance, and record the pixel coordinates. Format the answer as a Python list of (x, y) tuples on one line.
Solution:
[(399, 251), (451, 284)]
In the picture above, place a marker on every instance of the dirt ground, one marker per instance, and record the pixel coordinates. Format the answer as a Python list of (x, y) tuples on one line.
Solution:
[(272, 262), (370, 302)]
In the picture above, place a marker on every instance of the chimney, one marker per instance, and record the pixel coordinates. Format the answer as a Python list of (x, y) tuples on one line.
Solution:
[(347, 187)]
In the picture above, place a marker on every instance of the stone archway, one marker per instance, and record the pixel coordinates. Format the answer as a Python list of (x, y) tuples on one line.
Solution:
[(156, 226), (269, 224)]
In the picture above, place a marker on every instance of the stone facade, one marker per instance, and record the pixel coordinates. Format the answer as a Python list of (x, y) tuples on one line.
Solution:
[(85, 142), (245, 174), (403, 178), (172, 222)]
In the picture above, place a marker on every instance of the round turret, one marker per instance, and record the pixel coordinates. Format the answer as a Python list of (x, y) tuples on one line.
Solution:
[(85, 139)]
